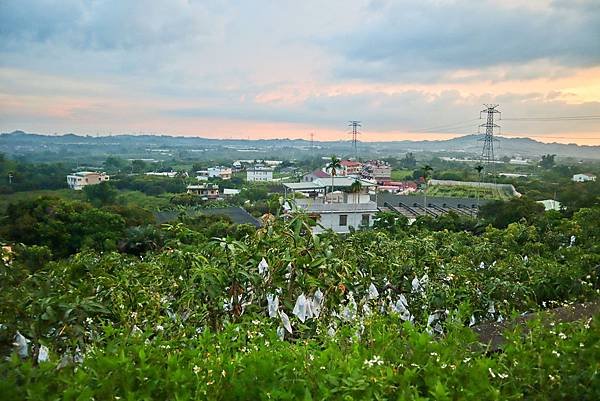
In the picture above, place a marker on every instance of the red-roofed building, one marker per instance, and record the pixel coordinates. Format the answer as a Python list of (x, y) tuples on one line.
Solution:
[(350, 167), (402, 187), (310, 177)]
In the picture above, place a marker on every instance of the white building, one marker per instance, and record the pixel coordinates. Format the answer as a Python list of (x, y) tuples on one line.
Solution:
[(583, 177), (80, 179), (221, 172), (231, 191), (338, 217), (170, 174), (550, 204), (259, 173)]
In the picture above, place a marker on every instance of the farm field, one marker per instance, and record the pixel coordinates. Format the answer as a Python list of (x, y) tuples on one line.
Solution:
[(466, 192), (278, 314)]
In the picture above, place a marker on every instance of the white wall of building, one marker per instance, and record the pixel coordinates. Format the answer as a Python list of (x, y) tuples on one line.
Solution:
[(259, 175), (583, 178), (332, 221)]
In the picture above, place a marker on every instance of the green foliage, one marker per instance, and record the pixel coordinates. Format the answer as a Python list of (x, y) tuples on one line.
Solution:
[(390, 221), (502, 213), (150, 185), (184, 316), (100, 194), (65, 227), (28, 176)]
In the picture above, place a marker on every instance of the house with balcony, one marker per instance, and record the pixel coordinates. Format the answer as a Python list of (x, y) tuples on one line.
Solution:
[(208, 191), (79, 180), (350, 167)]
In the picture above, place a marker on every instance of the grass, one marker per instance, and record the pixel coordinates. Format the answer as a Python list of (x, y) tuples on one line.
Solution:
[(142, 200), (400, 175), (466, 192)]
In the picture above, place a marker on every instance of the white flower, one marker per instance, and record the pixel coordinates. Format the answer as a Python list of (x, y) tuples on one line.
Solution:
[(196, 369), (556, 353), (159, 327), (375, 361), (562, 336)]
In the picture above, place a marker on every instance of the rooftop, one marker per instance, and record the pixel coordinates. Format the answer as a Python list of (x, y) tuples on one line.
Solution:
[(338, 207)]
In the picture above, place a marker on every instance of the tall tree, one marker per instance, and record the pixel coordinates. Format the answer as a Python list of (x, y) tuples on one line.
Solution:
[(547, 161), (333, 167), (409, 161)]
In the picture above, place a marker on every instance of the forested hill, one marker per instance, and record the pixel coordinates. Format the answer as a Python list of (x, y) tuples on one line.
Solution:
[(19, 143)]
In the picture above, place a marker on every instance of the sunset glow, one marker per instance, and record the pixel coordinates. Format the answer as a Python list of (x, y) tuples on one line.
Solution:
[(224, 70)]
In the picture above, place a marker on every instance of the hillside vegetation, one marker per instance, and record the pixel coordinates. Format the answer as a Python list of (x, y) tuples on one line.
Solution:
[(282, 314)]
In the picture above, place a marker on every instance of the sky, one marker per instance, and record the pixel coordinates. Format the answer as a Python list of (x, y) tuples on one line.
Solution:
[(286, 68)]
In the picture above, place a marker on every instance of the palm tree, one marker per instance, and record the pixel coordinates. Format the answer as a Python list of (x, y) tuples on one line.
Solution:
[(479, 169), (333, 166), (427, 169)]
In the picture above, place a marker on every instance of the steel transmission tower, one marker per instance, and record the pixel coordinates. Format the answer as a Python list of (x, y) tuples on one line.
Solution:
[(488, 159), (355, 125)]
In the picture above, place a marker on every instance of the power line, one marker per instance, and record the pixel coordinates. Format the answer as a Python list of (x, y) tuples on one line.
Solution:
[(554, 118), (456, 125)]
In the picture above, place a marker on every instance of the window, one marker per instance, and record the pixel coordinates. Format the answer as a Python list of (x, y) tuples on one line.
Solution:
[(343, 220), (365, 220)]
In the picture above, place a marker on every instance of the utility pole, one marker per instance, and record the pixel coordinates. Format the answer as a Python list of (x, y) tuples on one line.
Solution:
[(488, 159), (355, 125), (312, 141), (10, 177)]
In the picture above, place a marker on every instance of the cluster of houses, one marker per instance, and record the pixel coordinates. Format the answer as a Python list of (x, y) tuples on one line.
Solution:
[(374, 170)]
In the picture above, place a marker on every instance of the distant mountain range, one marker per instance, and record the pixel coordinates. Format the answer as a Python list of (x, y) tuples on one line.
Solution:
[(22, 143)]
